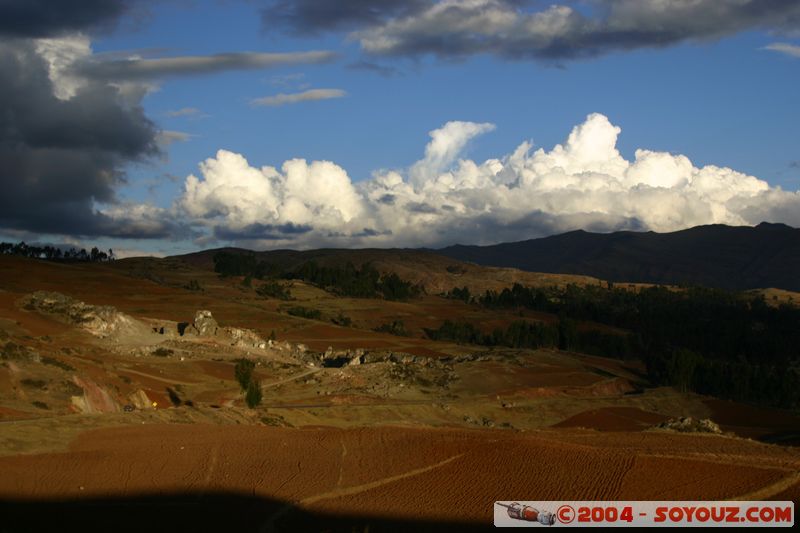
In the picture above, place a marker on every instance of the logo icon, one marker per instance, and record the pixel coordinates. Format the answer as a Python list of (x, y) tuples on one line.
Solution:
[(517, 511)]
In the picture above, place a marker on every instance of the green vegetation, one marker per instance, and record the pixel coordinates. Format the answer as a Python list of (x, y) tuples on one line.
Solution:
[(163, 352), (253, 395), (273, 289), (174, 398), (228, 264), (55, 362), (243, 371), (395, 327), (193, 285), (247, 282), (305, 312), (462, 294), (519, 334), (13, 351), (342, 320), (53, 254), (710, 341), (34, 383), (347, 280)]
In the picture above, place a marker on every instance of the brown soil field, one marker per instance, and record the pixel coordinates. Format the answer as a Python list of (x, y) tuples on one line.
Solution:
[(613, 419), (370, 472)]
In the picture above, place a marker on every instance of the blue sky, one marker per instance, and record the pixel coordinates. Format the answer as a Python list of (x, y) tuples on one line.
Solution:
[(712, 93)]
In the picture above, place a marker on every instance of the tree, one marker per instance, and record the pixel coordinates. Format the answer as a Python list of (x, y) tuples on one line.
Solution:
[(681, 368), (244, 372), (253, 396), (567, 333)]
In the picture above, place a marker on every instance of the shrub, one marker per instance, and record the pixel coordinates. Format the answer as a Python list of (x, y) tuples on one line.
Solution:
[(273, 289), (395, 327), (34, 383), (342, 320), (55, 362), (193, 285), (305, 312)]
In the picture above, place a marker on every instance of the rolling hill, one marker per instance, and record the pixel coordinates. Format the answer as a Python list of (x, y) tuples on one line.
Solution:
[(767, 255)]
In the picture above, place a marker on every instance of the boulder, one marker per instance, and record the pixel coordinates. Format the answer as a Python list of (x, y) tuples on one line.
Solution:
[(204, 324)]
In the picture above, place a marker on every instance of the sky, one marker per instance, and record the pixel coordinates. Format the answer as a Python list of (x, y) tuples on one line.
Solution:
[(161, 128)]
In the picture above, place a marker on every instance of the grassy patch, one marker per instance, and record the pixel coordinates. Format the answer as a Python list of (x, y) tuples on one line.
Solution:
[(163, 352)]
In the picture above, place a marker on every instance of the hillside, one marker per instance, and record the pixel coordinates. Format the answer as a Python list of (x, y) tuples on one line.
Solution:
[(119, 390), (767, 255), (430, 270)]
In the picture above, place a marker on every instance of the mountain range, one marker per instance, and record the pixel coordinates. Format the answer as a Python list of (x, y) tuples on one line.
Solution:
[(729, 257)]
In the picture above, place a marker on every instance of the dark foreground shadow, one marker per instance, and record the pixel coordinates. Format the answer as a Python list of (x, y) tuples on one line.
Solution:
[(223, 512), (784, 438)]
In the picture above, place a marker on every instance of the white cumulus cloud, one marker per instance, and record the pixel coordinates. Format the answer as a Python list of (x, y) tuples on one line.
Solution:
[(442, 199)]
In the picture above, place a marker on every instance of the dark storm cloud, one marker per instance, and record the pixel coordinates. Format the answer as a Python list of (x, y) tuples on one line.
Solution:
[(312, 16), (504, 28), (148, 69), (269, 232), (44, 18), (57, 157)]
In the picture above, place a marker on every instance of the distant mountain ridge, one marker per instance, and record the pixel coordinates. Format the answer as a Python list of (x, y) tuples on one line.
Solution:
[(729, 257)]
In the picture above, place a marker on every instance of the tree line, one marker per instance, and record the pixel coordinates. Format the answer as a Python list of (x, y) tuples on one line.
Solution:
[(344, 280), (53, 253), (563, 335), (711, 341)]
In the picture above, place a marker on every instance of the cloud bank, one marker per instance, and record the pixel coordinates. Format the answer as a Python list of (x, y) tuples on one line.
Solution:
[(71, 122), (526, 29), (45, 18), (441, 199), (458, 28)]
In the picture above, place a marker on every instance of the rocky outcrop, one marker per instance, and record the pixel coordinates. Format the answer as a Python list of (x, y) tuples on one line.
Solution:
[(690, 425), (204, 324), (101, 321), (140, 400), (144, 336)]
